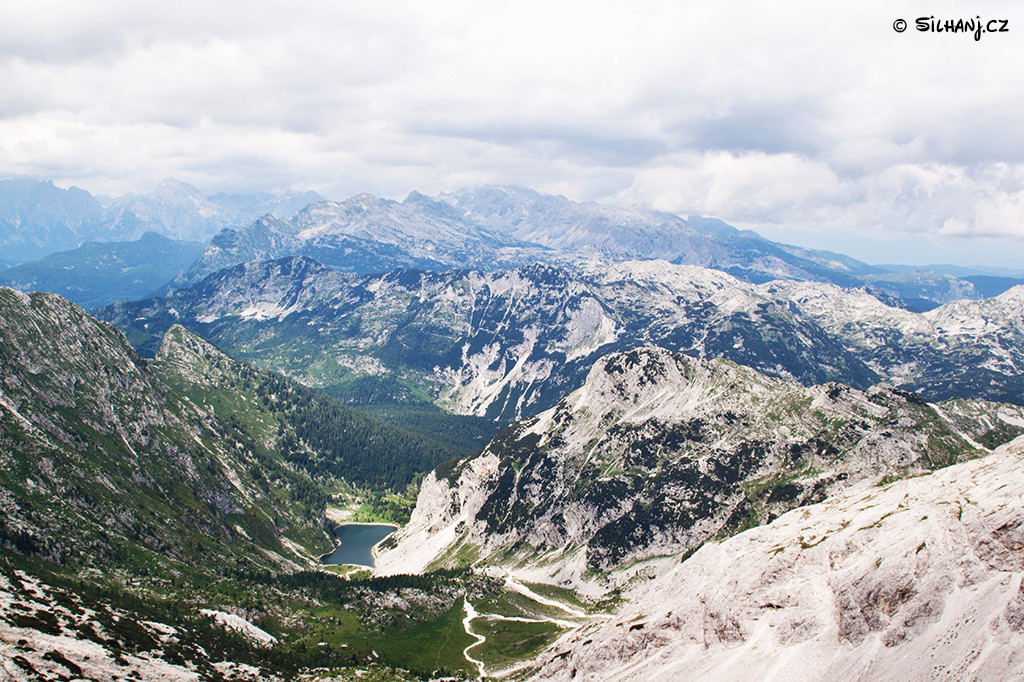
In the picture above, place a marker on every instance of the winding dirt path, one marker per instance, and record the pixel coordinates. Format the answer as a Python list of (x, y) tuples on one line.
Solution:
[(467, 621), (515, 586)]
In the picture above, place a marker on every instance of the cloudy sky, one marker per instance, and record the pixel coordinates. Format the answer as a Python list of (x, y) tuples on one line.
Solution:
[(816, 123)]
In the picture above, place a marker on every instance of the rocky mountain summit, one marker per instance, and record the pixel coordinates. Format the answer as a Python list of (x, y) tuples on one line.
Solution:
[(365, 234), (612, 234), (959, 349), (659, 452)]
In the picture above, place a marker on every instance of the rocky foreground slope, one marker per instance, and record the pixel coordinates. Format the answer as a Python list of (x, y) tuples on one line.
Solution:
[(917, 580), (659, 452), (156, 515), (137, 460)]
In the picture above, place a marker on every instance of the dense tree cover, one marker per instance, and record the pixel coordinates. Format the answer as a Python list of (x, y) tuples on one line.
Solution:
[(331, 588), (328, 438), (466, 434), (317, 433)]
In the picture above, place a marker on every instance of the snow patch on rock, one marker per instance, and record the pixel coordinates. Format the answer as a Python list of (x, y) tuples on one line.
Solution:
[(241, 625)]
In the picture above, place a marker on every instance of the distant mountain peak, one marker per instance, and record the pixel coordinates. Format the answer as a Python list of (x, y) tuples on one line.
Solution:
[(486, 227), (176, 185)]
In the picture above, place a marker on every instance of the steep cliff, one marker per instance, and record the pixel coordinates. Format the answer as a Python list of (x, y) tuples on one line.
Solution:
[(659, 452)]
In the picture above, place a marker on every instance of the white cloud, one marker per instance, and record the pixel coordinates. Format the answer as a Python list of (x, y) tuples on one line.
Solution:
[(779, 192), (745, 187), (791, 113)]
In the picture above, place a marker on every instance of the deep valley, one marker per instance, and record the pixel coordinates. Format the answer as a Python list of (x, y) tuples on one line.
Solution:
[(618, 444)]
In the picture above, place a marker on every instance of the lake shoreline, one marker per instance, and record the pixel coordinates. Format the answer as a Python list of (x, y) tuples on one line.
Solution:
[(324, 559)]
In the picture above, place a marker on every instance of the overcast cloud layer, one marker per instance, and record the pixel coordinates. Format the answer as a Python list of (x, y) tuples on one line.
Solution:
[(808, 121)]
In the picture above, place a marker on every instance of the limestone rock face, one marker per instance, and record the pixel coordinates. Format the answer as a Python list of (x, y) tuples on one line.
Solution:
[(659, 452), (920, 579)]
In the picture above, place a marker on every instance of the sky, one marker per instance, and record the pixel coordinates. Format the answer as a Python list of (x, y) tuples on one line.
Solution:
[(813, 123)]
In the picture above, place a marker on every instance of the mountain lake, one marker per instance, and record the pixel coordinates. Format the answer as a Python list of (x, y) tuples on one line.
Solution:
[(357, 542)]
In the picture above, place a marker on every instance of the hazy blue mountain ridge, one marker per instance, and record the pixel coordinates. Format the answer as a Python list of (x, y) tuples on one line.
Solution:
[(98, 273), (37, 218), (181, 211), (483, 228)]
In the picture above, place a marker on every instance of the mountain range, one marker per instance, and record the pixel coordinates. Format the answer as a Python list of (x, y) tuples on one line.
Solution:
[(501, 227), (508, 344), (481, 228), (641, 446), (37, 218)]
